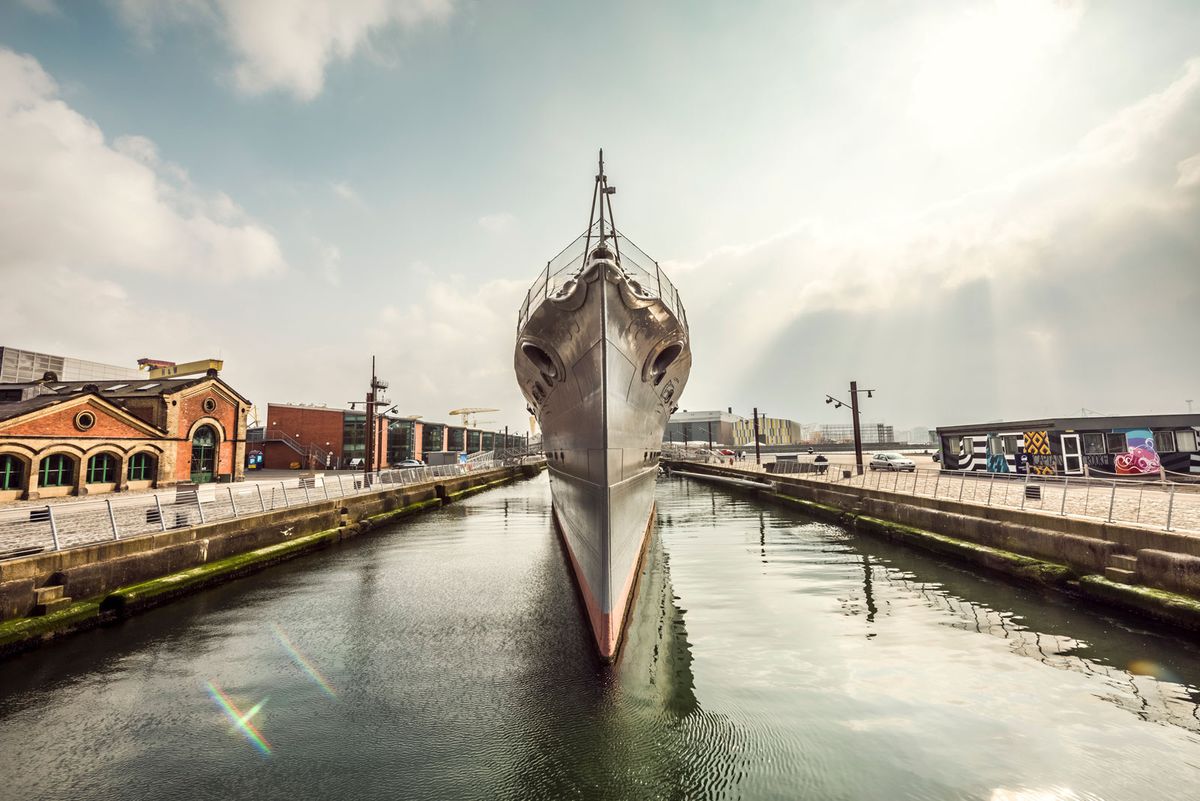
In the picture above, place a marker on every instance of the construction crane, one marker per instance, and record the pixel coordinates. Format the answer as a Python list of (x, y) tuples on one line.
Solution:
[(469, 413), (159, 368)]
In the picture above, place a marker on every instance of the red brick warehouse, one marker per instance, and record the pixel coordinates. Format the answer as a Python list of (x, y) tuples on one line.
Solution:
[(77, 438)]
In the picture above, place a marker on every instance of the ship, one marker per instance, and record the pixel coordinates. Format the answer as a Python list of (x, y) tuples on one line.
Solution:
[(602, 357)]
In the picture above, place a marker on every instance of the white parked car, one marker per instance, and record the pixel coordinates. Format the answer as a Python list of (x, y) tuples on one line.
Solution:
[(892, 461)]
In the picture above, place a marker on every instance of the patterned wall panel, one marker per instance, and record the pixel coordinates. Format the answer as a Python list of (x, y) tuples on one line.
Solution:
[(1037, 449)]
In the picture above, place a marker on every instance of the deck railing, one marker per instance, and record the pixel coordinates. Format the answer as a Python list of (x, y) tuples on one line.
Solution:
[(570, 261)]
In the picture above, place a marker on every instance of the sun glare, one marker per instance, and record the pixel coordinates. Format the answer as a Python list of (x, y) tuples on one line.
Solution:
[(978, 67)]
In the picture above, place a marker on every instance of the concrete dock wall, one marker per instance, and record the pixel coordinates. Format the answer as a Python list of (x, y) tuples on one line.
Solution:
[(94, 570), (1072, 554)]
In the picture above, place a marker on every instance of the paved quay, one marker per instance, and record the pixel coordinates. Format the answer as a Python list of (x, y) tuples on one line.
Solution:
[(63, 523), (1164, 506)]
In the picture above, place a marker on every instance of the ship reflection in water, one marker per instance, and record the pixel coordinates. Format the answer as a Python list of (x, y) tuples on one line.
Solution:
[(771, 656)]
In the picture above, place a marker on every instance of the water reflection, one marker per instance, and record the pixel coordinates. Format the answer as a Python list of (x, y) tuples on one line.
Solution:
[(1136, 679), (770, 656)]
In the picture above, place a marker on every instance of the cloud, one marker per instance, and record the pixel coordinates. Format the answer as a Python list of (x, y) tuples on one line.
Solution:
[(453, 343), (286, 45), (497, 223), (330, 264), (70, 200), (1076, 276), (347, 193)]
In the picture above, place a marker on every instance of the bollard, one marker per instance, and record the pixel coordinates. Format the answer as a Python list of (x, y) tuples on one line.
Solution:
[(53, 526), (112, 518)]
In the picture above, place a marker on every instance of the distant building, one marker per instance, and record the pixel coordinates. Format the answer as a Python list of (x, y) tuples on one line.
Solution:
[(83, 437), (921, 436), (771, 431), (716, 427), (26, 365), (319, 437), (872, 433)]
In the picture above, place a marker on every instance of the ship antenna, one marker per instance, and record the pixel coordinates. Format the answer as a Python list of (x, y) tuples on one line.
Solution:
[(601, 183)]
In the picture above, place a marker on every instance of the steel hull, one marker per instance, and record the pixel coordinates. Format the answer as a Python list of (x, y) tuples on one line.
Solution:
[(603, 406)]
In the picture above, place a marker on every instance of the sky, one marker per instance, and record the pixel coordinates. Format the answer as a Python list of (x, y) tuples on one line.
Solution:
[(981, 210)]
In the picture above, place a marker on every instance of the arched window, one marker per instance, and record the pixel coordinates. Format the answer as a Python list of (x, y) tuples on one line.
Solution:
[(12, 473), (204, 455), (102, 469), (141, 467), (56, 470)]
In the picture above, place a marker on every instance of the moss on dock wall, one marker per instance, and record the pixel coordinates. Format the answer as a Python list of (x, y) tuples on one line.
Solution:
[(144, 592)]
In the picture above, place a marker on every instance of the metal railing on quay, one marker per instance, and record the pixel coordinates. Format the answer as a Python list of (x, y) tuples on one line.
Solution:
[(28, 529), (1167, 505)]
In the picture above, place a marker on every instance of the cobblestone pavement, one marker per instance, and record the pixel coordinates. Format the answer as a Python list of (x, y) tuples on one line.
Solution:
[(1128, 502)]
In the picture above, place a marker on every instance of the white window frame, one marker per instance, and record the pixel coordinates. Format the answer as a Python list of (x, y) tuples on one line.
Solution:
[(1078, 454)]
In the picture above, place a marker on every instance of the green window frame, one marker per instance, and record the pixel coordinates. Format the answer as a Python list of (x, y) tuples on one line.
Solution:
[(102, 469), (56, 470), (12, 473), (141, 467)]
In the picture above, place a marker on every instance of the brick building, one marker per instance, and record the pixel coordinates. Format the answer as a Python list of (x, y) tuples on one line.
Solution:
[(78, 437), (304, 437)]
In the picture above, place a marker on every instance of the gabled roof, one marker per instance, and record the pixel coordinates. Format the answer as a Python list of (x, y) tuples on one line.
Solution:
[(10, 412), (121, 388)]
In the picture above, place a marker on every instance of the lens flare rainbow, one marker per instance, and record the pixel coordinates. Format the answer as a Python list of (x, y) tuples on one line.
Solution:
[(303, 662), (241, 721)]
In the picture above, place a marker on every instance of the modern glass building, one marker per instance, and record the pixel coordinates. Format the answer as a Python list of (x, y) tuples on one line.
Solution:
[(20, 366)]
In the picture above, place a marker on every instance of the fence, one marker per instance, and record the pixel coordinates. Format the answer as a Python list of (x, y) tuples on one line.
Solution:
[(30, 529), (1165, 505)]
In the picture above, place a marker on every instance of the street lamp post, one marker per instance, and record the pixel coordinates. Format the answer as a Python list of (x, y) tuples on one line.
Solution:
[(853, 404), (757, 454)]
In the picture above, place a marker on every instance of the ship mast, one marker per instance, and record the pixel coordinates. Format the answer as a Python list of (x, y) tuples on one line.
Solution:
[(603, 193)]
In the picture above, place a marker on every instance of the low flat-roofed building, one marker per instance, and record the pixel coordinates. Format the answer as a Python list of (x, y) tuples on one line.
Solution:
[(1127, 445)]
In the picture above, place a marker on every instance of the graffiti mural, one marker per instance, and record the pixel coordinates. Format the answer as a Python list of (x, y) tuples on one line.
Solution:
[(1141, 457), (1040, 460)]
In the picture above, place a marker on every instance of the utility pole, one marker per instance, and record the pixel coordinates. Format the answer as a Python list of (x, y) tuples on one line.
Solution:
[(837, 404), (757, 455), (710, 435), (369, 424), (857, 429)]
